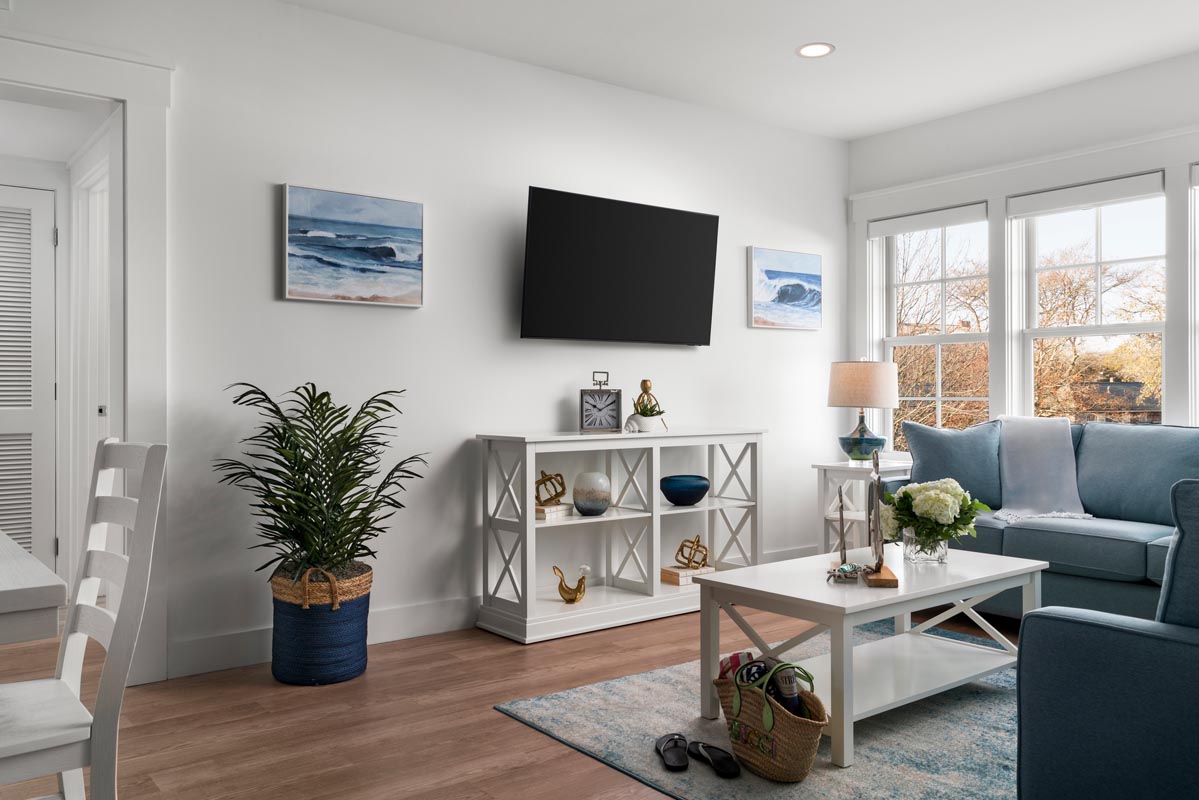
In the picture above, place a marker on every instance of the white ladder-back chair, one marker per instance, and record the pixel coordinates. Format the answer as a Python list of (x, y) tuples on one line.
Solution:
[(44, 728)]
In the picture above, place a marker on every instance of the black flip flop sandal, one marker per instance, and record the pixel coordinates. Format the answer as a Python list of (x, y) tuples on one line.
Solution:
[(720, 760), (673, 750)]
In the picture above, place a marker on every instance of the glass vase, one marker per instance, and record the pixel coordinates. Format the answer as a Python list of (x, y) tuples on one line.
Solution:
[(916, 552)]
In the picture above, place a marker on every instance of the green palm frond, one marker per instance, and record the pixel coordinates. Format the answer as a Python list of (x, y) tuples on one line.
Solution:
[(311, 468)]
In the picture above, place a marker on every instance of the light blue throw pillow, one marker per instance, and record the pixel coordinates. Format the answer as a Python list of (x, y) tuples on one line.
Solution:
[(970, 456)]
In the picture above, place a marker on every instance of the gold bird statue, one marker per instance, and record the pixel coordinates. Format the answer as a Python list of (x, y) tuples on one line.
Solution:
[(572, 594)]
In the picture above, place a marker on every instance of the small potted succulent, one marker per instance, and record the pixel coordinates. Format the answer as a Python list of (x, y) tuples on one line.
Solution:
[(647, 414), (313, 468)]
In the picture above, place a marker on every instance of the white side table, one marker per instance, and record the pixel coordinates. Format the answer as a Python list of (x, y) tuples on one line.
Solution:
[(854, 478)]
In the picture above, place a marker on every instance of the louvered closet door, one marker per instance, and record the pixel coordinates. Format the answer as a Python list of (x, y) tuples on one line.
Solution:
[(27, 369)]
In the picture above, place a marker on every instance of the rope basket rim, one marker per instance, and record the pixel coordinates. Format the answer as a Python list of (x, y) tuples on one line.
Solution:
[(331, 592)]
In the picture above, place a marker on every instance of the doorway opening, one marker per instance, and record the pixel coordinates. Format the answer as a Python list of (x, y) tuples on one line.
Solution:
[(61, 311)]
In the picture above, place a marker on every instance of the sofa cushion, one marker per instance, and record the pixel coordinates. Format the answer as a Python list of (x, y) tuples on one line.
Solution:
[(1126, 471), (970, 456), (989, 538), (1110, 549), (1155, 558)]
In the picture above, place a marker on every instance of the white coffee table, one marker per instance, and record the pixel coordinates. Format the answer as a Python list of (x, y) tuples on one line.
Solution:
[(858, 682)]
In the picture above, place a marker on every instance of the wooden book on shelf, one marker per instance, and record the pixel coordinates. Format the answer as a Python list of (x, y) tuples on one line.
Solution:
[(554, 511), (681, 576)]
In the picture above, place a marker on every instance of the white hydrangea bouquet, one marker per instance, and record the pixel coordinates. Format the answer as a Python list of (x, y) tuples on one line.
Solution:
[(929, 515)]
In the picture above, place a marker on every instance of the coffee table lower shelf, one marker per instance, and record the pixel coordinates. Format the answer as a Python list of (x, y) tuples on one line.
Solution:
[(887, 673)]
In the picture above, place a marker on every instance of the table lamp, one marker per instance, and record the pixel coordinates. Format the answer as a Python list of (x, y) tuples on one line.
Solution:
[(863, 385)]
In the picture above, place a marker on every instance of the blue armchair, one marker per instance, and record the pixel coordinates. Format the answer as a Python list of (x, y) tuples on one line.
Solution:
[(1109, 705)]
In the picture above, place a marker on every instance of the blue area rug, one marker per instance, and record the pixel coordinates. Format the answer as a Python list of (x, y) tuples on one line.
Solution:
[(959, 744)]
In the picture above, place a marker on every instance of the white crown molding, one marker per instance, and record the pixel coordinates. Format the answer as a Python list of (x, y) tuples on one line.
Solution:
[(1051, 158), (83, 48)]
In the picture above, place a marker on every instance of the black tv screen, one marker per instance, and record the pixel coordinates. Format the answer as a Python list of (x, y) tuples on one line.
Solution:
[(616, 271)]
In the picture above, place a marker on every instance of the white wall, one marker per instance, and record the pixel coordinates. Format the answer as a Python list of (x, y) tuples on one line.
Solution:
[(266, 94), (1126, 105)]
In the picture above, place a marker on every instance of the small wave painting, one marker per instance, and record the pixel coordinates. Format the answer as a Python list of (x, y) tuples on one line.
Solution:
[(784, 289), (351, 248)]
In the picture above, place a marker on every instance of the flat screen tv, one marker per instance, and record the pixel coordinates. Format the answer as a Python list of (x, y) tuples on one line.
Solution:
[(615, 271)]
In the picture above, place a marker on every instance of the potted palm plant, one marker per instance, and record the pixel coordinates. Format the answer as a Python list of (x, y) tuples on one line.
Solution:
[(314, 470)]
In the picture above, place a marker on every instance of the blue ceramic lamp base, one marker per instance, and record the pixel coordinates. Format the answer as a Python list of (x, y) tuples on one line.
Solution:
[(861, 443)]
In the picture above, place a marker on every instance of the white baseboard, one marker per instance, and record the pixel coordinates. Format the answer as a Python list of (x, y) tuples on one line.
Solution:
[(791, 552), (242, 648)]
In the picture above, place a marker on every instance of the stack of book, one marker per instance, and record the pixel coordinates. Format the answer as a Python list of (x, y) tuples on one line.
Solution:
[(681, 576), (554, 511)]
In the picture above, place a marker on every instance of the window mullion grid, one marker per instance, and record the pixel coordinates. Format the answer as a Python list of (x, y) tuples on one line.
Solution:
[(1099, 265), (937, 384), (1114, 262), (892, 326), (944, 326), (936, 338), (1114, 329), (937, 341)]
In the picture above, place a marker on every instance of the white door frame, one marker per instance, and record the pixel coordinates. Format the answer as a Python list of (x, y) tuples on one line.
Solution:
[(145, 91), (91, 331)]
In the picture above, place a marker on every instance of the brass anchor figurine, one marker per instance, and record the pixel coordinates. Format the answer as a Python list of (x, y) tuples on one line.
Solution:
[(572, 594)]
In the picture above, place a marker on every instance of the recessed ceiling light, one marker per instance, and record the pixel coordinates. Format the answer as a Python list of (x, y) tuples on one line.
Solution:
[(814, 50)]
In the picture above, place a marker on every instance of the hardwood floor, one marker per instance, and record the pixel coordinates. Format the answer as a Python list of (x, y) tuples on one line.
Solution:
[(419, 724)]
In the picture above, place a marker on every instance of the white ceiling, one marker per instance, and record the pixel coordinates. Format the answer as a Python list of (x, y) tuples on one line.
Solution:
[(47, 125), (898, 62)]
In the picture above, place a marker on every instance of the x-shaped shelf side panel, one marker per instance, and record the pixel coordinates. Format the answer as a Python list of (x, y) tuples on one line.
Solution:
[(509, 480), (735, 531), (507, 554), (633, 480), (735, 467), (635, 536)]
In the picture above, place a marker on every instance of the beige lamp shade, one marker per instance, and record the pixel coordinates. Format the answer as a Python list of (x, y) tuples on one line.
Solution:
[(863, 384)]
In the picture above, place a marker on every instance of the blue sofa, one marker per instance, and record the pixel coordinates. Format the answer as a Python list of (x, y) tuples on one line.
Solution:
[(1106, 702), (1113, 562)]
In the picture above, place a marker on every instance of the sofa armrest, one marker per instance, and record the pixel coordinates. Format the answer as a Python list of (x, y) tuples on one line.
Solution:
[(1106, 706)]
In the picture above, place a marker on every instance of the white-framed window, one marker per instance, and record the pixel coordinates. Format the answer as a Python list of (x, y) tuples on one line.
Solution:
[(1095, 308), (938, 317)]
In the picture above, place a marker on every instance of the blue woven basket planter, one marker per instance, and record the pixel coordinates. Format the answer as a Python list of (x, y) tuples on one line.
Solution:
[(319, 644)]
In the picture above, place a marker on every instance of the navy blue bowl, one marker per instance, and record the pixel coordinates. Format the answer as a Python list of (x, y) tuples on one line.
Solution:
[(684, 490)]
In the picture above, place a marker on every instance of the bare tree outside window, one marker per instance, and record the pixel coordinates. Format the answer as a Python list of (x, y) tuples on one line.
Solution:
[(939, 299), (1096, 329), (1102, 268)]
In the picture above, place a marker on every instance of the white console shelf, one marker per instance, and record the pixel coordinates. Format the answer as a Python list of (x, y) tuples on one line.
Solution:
[(626, 588)]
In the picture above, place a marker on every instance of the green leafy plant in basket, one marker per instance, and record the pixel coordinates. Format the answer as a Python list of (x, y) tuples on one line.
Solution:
[(932, 513), (321, 497)]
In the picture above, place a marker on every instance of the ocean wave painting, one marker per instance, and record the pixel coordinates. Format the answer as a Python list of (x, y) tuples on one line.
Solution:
[(785, 289), (352, 248)]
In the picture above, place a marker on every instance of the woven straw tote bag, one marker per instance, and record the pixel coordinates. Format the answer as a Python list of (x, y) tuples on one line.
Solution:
[(768, 739)]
